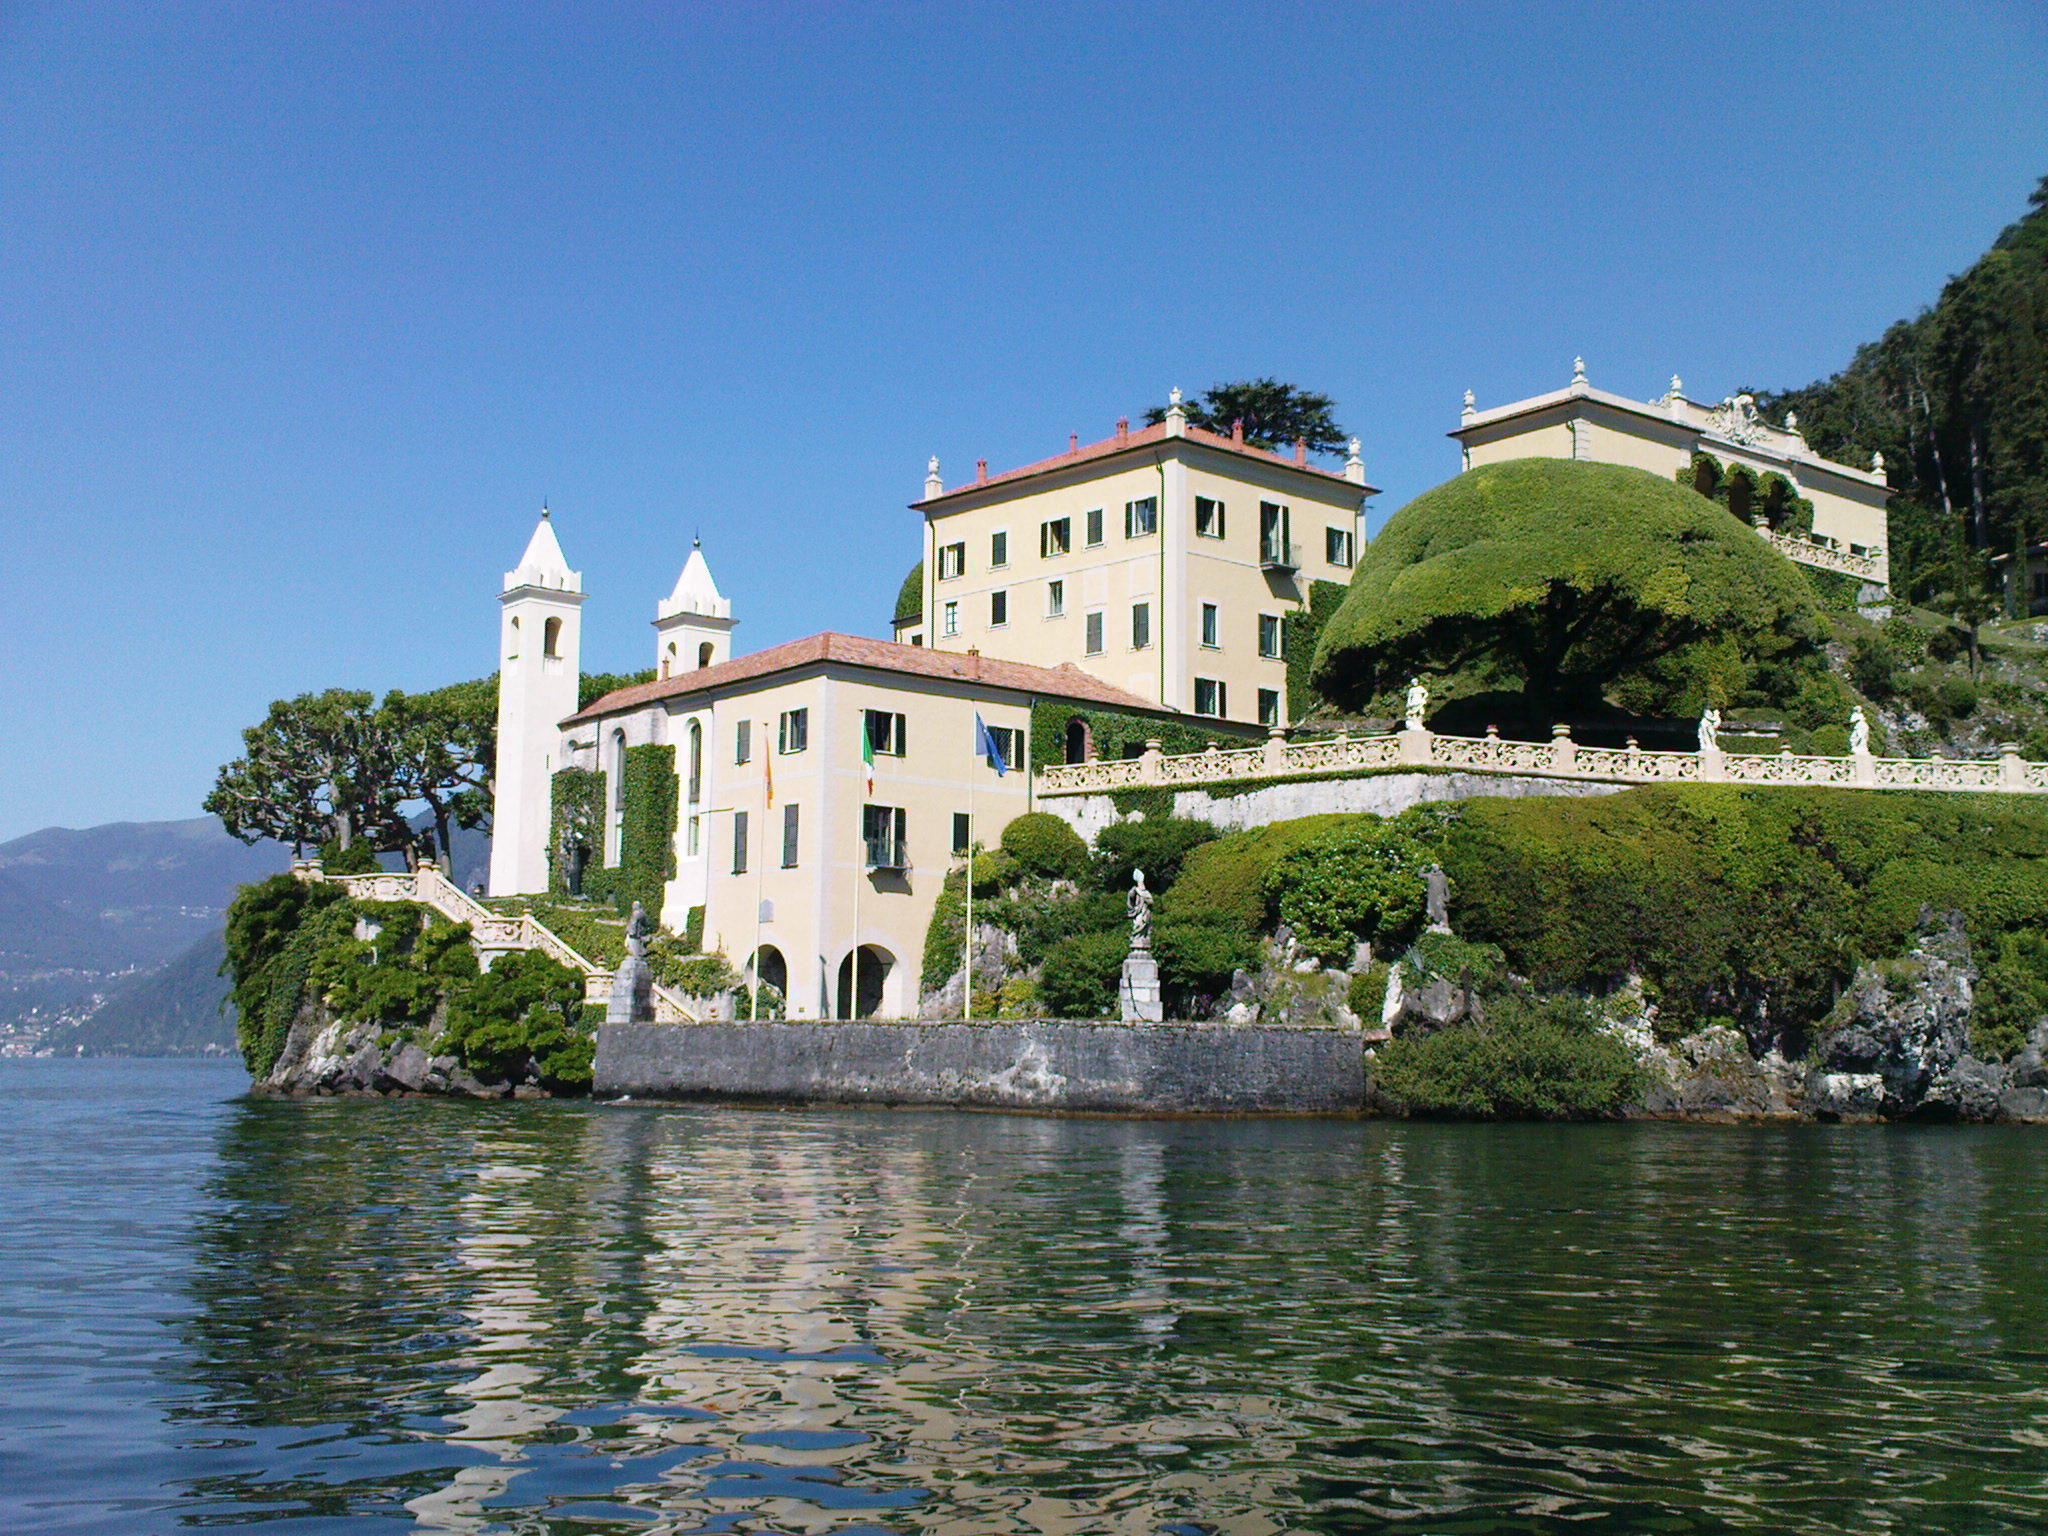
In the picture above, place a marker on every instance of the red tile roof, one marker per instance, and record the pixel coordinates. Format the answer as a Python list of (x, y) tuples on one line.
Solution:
[(1066, 681), (1144, 437)]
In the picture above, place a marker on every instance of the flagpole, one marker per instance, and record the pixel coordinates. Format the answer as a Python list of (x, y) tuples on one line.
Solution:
[(860, 852), (760, 872), (967, 943)]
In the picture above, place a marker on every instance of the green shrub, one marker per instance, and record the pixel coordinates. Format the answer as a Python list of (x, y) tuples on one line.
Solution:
[(1363, 880), (1541, 1059), (1367, 994), (1828, 741), (1473, 966), (1820, 700), (1196, 960), (693, 930), (358, 858), (1042, 844), (1156, 845), (525, 1012), (692, 975), (1958, 696), (1223, 882), (2011, 997), (1081, 975), (276, 928)]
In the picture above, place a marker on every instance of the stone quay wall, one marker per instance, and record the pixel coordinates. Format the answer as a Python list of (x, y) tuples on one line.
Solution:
[(1039, 1064)]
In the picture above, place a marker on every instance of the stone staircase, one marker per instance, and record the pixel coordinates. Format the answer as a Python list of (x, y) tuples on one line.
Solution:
[(492, 934)]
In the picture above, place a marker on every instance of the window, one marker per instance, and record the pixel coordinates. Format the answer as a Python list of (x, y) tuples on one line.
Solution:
[(1337, 546), (1092, 642), (962, 830), (885, 830), (696, 762), (704, 654), (999, 548), (1211, 624), (739, 842), (1095, 526), (949, 619), (551, 639), (1055, 599), (1208, 696), (789, 821), (1208, 517), (1274, 548), (1055, 537), (1009, 745), (696, 833), (917, 639), (1269, 706), (998, 609), (743, 741), (795, 732), (1141, 626), (1272, 635), (952, 560), (885, 733), (1141, 517)]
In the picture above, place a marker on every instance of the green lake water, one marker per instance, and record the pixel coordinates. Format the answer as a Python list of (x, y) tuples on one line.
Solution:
[(218, 1313)]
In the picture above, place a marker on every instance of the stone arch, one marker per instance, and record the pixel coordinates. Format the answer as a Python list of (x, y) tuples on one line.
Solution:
[(877, 982), (1080, 741), (704, 653), (696, 761), (768, 964), (551, 639)]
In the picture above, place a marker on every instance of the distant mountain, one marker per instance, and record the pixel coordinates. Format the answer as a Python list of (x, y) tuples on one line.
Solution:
[(178, 1009)]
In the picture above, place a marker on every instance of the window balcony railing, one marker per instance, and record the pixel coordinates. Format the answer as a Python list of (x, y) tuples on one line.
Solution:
[(887, 853), (1279, 555)]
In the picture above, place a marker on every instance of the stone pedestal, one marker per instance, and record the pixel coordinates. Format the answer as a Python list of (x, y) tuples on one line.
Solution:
[(1138, 996), (632, 994)]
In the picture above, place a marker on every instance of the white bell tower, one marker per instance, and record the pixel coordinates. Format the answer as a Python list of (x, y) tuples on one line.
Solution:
[(540, 648), (693, 624)]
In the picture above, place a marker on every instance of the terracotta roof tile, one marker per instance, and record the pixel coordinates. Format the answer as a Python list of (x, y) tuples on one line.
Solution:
[(1065, 681), (1143, 437)]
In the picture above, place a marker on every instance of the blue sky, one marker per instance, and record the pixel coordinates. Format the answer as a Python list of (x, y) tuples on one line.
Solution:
[(304, 309)]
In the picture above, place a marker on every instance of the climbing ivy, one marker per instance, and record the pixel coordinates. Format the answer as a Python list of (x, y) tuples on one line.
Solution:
[(1300, 630), (1117, 735), (575, 822), (649, 801), (1755, 496)]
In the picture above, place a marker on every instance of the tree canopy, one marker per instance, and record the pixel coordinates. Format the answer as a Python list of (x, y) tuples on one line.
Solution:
[(1956, 400), (1275, 415), (1568, 582), (910, 596)]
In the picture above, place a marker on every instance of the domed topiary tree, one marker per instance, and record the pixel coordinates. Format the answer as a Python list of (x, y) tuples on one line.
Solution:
[(1566, 581), (910, 596)]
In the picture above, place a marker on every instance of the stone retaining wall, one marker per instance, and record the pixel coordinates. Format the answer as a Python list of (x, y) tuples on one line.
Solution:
[(1034, 1064)]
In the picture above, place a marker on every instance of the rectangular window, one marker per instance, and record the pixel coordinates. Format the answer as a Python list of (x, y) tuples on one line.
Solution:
[(1092, 643), (1208, 696), (739, 842), (743, 741), (1211, 626), (952, 560), (949, 619), (962, 830), (1055, 599), (796, 731), (885, 829), (917, 639), (885, 733), (1010, 745), (1095, 526), (998, 609), (1274, 546), (1272, 635), (999, 549), (1208, 517), (1141, 626), (696, 831), (1141, 517), (1337, 546), (789, 820), (1269, 706), (1055, 537)]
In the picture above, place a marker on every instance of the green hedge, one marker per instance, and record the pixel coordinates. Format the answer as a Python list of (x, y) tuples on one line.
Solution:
[(1116, 735), (651, 800), (1303, 628), (575, 819), (1530, 1060)]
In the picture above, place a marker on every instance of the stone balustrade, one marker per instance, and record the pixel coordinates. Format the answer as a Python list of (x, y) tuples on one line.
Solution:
[(492, 933), (1560, 757), (1822, 556)]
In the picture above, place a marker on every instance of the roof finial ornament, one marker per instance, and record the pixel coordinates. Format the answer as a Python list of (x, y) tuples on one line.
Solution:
[(933, 485), (1173, 395), (1791, 421), (1876, 462), (1354, 465), (1176, 415), (1578, 370), (1677, 386), (1471, 402)]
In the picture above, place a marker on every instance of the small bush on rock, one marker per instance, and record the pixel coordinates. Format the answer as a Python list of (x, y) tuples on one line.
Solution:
[(525, 1012), (1157, 846), (1081, 975), (1541, 1059), (1044, 845)]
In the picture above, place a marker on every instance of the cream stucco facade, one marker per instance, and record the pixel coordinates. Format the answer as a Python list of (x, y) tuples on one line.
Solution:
[(1661, 436), (1162, 561)]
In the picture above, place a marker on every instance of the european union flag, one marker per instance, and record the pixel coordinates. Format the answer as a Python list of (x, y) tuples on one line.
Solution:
[(985, 746)]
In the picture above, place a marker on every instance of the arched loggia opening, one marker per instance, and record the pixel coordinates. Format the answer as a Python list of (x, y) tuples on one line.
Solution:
[(876, 967), (704, 654), (1080, 746), (773, 974)]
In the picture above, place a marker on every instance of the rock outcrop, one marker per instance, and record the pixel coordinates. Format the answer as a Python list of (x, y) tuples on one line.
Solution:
[(323, 1056)]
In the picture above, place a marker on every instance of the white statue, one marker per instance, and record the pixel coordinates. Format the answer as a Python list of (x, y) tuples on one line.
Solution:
[(1859, 733), (1418, 703), (1710, 730), (1139, 905)]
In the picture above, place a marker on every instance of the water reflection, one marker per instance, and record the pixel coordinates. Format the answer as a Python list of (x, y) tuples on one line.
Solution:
[(591, 1318)]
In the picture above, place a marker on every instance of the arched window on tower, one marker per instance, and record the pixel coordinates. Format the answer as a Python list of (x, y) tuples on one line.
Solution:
[(696, 762), (704, 654), (513, 653), (551, 639)]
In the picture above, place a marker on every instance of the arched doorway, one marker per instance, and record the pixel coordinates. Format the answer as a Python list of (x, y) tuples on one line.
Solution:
[(1079, 747), (876, 966), (773, 973)]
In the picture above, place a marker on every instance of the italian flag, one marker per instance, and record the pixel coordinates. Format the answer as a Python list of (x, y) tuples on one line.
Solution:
[(867, 754)]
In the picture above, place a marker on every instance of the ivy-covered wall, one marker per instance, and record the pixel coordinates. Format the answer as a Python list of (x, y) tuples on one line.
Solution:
[(1766, 497), (1116, 735), (1301, 629), (650, 800)]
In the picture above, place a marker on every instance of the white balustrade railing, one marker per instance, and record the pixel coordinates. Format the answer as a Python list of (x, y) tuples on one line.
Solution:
[(496, 934), (1560, 757), (1823, 556)]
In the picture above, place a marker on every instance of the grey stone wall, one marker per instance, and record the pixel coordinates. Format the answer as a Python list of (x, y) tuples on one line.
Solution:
[(1034, 1064), (1383, 794)]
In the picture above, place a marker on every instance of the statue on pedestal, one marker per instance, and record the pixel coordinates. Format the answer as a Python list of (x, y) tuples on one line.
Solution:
[(1437, 885), (1859, 733), (1138, 998), (1139, 905), (1710, 730), (632, 994), (1418, 704)]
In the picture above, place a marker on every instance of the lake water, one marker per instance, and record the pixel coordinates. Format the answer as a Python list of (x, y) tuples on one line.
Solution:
[(584, 1318)]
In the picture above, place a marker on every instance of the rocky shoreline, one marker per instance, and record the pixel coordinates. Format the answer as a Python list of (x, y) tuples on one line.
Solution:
[(328, 1058)]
